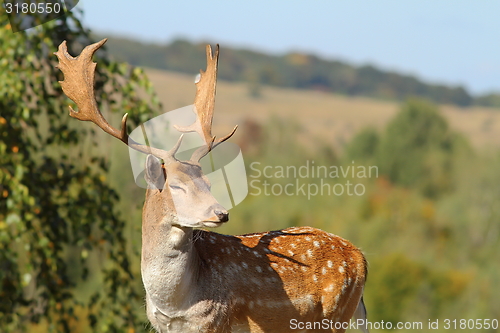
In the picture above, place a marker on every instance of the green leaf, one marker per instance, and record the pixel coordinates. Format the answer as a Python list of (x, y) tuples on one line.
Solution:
[(12, 218)]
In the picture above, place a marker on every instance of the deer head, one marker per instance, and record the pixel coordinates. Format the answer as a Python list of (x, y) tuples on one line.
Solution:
[(178, 189)]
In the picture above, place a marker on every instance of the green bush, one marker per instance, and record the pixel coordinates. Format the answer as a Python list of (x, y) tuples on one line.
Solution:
[(419, 150)]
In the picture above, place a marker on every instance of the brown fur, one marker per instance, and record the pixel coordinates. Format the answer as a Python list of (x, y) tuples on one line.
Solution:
[(271, 278)]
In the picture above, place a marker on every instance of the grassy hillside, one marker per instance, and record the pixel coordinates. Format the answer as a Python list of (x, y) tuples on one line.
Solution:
[(331, 117)]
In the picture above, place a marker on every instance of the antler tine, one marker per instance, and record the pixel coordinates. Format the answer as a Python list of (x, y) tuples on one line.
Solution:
[(78, 85), (202, 151), (204, 103)]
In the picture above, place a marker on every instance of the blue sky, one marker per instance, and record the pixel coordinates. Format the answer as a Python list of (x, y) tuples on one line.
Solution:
[(452, 42)]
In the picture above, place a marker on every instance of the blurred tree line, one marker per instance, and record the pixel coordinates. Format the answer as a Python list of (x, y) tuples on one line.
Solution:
[(294, 70), (59, 228)]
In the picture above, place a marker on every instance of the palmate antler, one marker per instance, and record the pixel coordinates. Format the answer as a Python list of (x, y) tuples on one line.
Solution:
[(204, 103), (78, 85)]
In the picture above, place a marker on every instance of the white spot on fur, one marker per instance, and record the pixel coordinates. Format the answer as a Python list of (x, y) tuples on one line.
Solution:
[(257, 281), (310, 253), (329, 288), (323, 270), (315, 278), (330, 264), (316, 243), (307, 300), (259, 269), (344, 286), (341, 269), (272, 280)]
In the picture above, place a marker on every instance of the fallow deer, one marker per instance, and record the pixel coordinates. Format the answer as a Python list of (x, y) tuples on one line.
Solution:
[(199, 281)]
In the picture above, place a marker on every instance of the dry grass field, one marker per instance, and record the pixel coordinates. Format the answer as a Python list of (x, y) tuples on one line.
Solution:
[(334, 118)]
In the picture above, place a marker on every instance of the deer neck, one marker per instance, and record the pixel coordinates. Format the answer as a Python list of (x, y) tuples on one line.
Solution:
[(169, 263)]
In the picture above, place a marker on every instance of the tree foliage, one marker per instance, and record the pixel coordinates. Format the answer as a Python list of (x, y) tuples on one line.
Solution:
[(417, 149), (56, 209), (363, 146)]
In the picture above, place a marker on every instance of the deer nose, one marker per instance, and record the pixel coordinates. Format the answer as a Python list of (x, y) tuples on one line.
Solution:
[(222, 215)]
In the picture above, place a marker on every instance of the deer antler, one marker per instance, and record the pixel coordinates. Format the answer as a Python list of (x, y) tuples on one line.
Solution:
[(204, 103), (78, 85)]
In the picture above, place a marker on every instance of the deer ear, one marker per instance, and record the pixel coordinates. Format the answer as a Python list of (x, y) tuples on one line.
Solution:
[(154, 173)]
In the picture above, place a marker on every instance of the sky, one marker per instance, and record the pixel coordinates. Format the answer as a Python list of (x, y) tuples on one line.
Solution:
[(454, 42)]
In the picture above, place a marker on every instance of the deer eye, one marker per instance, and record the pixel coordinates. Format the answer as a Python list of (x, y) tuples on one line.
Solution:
[(176, 188)]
